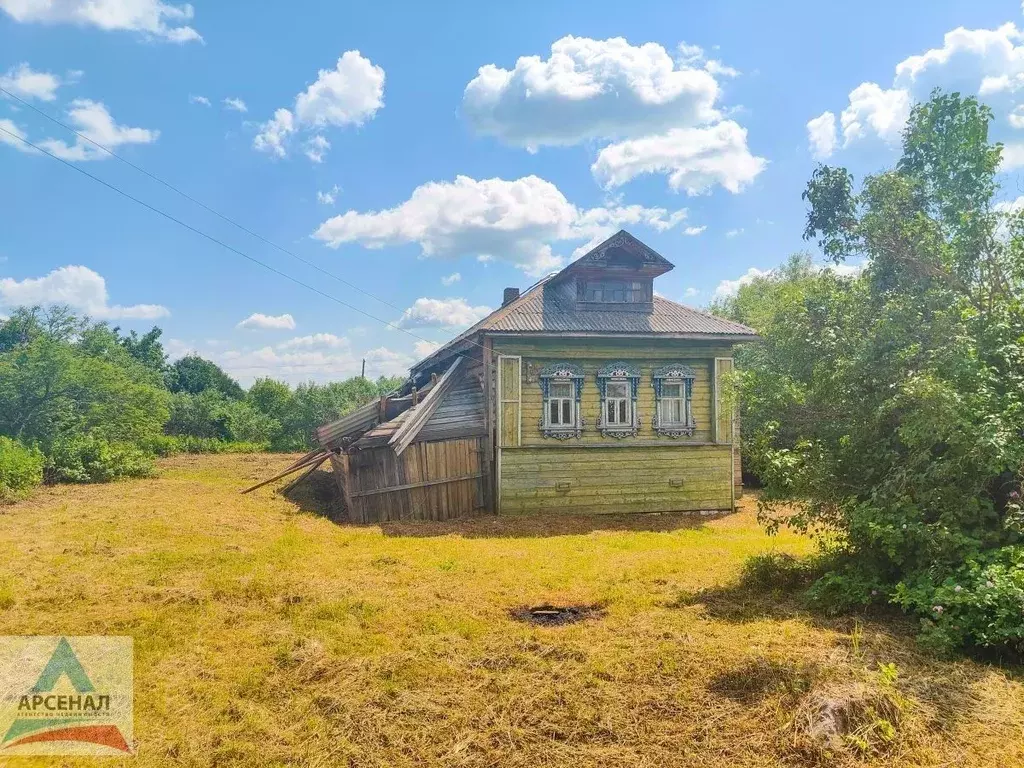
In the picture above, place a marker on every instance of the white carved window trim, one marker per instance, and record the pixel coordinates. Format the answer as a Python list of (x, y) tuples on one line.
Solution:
[(561, 374), (619, 373), (560, 405), (675, 374), (618, 410)]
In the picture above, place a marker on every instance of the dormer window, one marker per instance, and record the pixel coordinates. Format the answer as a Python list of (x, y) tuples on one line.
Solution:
[(606, 291)]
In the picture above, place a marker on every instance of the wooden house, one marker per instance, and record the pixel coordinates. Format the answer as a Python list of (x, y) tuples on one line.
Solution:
[(586, 393)]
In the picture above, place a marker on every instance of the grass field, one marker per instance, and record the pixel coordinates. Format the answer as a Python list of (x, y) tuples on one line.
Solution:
[(265, 634)]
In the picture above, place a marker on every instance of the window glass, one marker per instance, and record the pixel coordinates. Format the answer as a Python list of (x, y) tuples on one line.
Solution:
[(560, 389), (616, 291), (566, 411), (674, 408), (553, 413), (672, 390), (617, 389)]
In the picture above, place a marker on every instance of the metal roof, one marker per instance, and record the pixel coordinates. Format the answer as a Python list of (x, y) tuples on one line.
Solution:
[(550, 307)]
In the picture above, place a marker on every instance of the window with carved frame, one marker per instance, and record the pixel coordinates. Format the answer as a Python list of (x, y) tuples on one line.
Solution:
[(618, 383), (562, 390), (673, 391)]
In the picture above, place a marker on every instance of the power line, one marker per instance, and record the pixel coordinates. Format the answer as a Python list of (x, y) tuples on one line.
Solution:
[(213, 239), (193, 200)]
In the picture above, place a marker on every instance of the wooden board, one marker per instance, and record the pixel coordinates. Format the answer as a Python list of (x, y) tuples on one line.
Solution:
[(591, 355), (509, 401), (435, 480), (629, 479)]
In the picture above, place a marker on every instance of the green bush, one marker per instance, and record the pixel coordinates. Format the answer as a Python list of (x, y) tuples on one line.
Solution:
[(21, 469), (883, 410), (92, 459), (171, 445), (980, 604)]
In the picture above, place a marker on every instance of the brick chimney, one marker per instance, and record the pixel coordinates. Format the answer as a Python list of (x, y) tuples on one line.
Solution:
[(511, 294)]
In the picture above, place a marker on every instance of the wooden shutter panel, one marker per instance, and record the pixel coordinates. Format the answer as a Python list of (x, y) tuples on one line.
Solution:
[(723, 400), (509, 401)]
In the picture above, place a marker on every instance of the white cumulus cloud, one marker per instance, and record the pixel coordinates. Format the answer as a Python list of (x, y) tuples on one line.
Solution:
[(875, 111), (693, 231), (80, 288), (235, 105), (201, 100), (425, 348), (984, 62), (821, 133), (10, 134), (694, 159), (454, 277), (660, 112), (349, 94), (728, 288), (316, 341), (588, 89), (93, 120), (515, 221), (152, 18), (259, 321), (27, 83), (442, 313)]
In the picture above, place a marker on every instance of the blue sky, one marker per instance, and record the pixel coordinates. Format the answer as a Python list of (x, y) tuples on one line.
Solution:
[(397, 146)]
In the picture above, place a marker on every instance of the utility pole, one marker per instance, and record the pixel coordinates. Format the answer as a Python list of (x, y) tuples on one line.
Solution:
[(363, 374)]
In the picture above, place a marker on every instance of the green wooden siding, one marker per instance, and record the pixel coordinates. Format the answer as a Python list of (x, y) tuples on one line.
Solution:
[(646, 473), (591, 355), (627, 479), (509, 413)]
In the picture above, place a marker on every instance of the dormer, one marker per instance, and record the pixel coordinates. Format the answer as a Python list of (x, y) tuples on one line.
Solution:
[(617, 275)]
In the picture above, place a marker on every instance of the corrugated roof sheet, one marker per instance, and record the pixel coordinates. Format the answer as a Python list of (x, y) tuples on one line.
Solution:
[(550, 307)]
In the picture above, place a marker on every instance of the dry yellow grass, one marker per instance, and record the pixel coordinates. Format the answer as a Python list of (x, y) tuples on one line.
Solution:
[(265, 634)]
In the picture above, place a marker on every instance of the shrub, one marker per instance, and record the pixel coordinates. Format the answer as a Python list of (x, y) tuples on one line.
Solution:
[(884, 407), (21, 469), (91, 459), (978, 605), (170, 445), (776, 571)]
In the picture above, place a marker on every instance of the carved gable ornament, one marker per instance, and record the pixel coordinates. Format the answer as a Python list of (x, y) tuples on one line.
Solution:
[(622, 249)]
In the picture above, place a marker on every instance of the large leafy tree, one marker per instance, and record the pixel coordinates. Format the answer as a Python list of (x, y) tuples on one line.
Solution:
[(885, 410), (193, 374)]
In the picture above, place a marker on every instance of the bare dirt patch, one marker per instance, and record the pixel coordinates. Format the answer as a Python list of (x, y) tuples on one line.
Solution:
[(556, 616)]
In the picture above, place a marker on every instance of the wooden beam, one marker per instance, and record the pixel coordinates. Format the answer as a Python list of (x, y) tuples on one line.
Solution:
[(342, 476), (312, 468), (419, 416), (279, 475), (423, 484), (487, 456), (351, 424)]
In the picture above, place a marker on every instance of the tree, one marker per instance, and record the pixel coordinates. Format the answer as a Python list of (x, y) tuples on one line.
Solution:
[(147, 348), (194, 374), (884, 410)]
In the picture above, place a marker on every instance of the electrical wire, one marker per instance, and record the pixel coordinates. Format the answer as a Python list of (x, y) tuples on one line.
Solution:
[(219, 242), (195, 201)]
